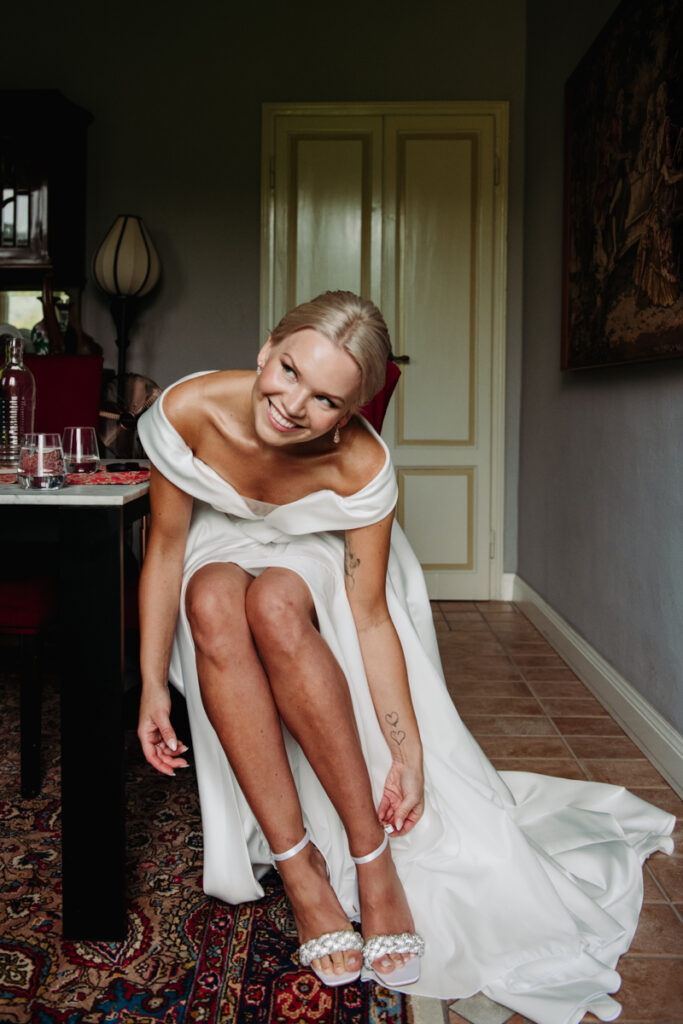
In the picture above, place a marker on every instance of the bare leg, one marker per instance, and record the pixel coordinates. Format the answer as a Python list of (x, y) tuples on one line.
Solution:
[(240, 706), (313, 698)]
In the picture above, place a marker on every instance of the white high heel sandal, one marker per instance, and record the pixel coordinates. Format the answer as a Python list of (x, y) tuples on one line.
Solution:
[(381, 945), (330, 942)]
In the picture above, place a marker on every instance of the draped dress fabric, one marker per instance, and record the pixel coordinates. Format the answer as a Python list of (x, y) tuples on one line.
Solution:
[(524, 886)]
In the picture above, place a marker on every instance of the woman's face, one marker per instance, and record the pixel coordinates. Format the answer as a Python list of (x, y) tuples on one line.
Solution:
[(308, 386)]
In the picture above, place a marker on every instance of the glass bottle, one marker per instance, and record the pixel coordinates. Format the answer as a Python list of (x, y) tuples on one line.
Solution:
[(17, 400)]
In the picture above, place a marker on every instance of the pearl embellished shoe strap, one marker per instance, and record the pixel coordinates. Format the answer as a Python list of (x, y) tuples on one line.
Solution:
[(375, 853), (294, 849), (382, 945), (326, 945)]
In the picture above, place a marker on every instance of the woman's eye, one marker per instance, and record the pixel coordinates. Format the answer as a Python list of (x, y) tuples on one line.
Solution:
[(289, 370), (324, 398)]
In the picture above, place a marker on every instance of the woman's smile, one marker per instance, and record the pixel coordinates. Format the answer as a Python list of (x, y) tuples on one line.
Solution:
[(279, 421)]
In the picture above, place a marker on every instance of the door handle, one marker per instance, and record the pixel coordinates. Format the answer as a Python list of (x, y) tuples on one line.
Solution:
[(400, 359)]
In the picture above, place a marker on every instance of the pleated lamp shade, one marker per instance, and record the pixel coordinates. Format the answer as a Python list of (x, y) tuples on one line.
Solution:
[(127, 264)]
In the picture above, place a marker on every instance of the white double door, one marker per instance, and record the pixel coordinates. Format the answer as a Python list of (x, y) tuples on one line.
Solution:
[(405, 204)]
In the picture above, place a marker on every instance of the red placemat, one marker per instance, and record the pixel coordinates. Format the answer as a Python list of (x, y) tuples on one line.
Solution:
[(137, 476), (131, 476)]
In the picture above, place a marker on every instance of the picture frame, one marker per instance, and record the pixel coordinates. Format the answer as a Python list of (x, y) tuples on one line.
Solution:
[(622, 289)]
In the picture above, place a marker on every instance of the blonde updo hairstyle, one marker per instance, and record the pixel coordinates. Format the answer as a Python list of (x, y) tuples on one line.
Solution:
[(351, 323)]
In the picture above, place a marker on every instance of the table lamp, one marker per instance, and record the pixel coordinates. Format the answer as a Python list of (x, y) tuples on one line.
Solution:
[(126, 267)]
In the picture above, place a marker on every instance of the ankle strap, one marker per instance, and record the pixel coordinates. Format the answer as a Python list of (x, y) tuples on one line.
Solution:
[(294, 849), (375, 853)]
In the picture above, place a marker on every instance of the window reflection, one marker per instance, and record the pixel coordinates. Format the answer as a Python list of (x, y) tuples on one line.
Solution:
[(15, 218)]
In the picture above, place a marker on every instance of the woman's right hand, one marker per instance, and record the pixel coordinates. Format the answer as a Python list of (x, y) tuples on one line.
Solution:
[(160, 745), (160, 585), (402, 804)]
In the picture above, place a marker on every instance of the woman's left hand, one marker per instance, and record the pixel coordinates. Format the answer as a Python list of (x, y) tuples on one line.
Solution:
[(402, 803)]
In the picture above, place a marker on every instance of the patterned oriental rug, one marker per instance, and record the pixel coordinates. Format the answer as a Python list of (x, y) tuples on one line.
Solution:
[(186, 957)]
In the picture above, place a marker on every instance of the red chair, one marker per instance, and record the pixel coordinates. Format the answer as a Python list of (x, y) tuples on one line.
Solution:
[(376, 408), (67, 394), (67, 391)]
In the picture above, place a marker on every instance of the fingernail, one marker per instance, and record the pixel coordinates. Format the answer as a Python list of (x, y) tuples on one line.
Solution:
[(173, 745), (399, 824)]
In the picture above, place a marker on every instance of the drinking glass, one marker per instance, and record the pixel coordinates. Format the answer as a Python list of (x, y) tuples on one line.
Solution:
[(41, 462), (80, 450)]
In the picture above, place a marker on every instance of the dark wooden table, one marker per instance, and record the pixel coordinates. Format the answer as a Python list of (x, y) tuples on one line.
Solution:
[(88, 525)]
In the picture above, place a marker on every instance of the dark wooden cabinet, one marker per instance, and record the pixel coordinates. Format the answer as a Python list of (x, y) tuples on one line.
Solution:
[(43, 139)]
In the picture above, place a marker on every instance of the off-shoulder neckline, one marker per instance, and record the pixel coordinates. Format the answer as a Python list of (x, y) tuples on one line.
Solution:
[(245, 499)]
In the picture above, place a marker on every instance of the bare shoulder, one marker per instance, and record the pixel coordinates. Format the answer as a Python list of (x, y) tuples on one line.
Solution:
[(363, 456), (193, 404)]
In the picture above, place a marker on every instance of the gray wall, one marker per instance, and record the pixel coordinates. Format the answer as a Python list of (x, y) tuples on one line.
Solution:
[(176, 92), (601, 490)]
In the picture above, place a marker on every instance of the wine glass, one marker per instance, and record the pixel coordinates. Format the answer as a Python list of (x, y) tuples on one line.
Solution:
[(41, 462), (80, 450)]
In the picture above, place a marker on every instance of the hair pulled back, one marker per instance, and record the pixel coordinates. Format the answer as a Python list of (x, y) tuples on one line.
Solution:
[(351, 323)]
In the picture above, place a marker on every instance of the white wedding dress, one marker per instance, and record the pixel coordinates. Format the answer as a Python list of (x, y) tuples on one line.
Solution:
[(524, 886)]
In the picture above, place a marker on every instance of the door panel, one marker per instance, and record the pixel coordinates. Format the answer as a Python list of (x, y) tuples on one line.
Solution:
[(435, 200), (327, 208), (442, 543)]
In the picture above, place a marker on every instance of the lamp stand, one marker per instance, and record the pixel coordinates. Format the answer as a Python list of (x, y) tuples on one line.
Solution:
[(123, 309)]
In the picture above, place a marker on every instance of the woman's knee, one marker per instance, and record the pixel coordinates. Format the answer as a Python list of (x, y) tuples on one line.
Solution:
[(214, 602), (279, 608)]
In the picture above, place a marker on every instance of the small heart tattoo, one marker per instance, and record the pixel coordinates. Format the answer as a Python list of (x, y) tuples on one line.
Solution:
[(398, 737), (391, 719)]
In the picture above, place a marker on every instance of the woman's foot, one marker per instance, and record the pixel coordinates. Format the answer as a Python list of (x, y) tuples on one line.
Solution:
[(385, 913), (318, 912)]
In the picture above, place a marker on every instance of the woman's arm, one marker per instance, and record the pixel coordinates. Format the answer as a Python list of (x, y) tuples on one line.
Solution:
[(160, 584), (366, 556)]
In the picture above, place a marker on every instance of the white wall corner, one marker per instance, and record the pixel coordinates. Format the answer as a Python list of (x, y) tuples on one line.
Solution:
[(658, 740)]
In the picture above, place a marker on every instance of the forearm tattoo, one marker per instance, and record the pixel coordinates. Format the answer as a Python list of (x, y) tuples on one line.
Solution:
[(396, 734), (351, 563)]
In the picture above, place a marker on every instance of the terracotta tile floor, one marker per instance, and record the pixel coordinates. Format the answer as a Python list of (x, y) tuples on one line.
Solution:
[(529, 711)]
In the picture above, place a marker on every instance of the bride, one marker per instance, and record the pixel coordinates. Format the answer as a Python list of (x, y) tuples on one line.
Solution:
[(279, 594)]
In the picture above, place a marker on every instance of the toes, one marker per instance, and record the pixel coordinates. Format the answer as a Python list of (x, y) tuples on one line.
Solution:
[(385, 964), (354, 960), (338, 966), (392, 961), (338, 963), (324, 965)]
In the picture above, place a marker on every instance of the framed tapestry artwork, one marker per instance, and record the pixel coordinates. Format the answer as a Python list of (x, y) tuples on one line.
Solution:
[(623, 204)]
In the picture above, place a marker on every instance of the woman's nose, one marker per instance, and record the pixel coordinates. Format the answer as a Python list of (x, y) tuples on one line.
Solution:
[(295, 402)]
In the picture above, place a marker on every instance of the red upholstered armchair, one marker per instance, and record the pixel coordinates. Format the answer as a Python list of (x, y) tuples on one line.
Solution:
[(375, 410), (67, 391), (67, 394)]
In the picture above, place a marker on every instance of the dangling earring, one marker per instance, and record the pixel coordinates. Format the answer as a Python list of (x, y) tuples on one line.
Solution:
[(259, 368), (337, 436)]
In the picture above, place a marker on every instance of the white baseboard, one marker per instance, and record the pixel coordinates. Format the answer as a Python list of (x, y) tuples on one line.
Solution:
[(658, 740), (507, 590)]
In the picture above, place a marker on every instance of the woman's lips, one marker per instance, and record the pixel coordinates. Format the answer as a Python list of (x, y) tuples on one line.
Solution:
[(279, 421)]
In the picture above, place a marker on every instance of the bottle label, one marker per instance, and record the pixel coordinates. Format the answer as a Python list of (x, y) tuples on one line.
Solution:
[(4, 421)]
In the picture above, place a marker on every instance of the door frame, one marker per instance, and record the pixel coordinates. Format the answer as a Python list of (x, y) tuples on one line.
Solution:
[(498, 110)]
